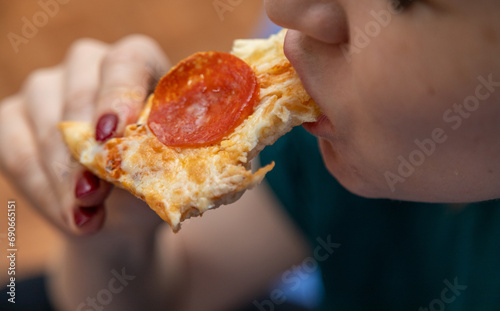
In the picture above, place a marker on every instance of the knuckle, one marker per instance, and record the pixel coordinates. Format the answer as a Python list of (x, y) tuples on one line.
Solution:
[(121, 55), (150, 47), (82, 47), (38, 78), (133, 48), (41, 96), (140, 40)]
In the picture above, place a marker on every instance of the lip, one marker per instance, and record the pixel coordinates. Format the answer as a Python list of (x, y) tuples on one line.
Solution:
[(323, 127), (295, 53)]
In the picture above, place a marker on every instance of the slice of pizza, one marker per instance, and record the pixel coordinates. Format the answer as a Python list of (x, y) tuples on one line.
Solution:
[(209, 116)]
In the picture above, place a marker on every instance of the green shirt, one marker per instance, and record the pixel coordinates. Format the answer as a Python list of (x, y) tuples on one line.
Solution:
[(390, 255)]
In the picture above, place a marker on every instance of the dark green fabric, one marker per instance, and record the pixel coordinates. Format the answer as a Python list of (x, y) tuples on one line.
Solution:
[(393, 255)]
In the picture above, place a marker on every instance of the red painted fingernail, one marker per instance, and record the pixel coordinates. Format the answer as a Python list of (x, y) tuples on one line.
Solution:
[(106, 126), (84, 214), (86, 184)]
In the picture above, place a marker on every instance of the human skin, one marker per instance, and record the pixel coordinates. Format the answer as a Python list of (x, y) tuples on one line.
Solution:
[(401, 86), (395, 90)]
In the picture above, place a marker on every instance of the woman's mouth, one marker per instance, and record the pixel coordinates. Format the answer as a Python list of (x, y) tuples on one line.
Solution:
[(323, 127)]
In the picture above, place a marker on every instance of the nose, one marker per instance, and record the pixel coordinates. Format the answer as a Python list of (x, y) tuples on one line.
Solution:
[(323, 20)]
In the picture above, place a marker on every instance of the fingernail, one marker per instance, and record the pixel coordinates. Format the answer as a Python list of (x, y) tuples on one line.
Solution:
[(86, 184), (84, 214), (106, 126)]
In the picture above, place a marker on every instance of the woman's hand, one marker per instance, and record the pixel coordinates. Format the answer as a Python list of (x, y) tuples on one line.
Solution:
[(104, 84)]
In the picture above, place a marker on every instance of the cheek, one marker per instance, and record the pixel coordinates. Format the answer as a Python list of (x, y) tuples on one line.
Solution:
[(394, 95), (396, 92)]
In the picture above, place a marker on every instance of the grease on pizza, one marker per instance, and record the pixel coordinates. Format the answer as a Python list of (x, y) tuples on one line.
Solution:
[(182, 180)]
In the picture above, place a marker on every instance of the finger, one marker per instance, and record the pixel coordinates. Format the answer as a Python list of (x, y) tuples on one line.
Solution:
[(42, 102), (81, 79), (89, 220), (43, 107), (19, 162), (91, 191), (129, 71)]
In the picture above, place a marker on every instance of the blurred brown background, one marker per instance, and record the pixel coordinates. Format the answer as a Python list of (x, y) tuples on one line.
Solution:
[(182, 27)]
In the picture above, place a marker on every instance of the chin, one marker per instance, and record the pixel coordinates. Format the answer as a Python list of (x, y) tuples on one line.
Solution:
[(348, 175)]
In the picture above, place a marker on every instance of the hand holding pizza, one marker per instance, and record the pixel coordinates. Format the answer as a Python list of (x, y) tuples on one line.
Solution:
[(107, 84)]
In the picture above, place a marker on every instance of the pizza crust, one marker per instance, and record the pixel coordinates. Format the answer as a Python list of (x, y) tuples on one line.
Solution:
[(179, 183)]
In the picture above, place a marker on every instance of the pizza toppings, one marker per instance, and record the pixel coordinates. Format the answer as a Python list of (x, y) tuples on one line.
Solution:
[(202, 99)]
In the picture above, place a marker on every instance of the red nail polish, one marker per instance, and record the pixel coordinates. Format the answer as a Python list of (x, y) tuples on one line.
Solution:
[(106, 126), (86, 184), (84, 214)]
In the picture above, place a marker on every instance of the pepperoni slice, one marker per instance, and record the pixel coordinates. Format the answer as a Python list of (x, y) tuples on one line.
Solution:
[(202, 99)]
